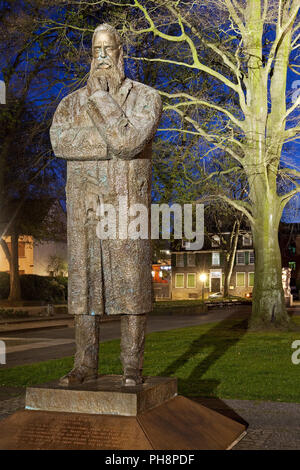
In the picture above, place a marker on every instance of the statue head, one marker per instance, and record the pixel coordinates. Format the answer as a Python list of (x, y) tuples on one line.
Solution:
[(108, 63)]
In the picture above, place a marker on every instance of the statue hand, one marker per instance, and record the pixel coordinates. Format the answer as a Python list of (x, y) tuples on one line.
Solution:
[(96, 84)]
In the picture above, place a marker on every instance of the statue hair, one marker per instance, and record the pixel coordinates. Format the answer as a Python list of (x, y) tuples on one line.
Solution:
[(110, 29)]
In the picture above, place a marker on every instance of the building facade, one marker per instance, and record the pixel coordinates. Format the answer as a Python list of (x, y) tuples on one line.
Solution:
[(25, 249), (201, 273), (289, 241), (34, 257)]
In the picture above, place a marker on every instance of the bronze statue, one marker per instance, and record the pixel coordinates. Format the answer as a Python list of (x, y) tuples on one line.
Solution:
[(104, 131)]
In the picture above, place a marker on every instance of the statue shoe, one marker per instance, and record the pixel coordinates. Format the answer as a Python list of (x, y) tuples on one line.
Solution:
[(132, 380), (77, 376)]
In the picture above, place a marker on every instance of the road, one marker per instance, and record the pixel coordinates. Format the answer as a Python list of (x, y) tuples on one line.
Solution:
[(41, 345)]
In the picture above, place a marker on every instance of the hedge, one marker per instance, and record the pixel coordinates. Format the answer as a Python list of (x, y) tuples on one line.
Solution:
[(33, 287)]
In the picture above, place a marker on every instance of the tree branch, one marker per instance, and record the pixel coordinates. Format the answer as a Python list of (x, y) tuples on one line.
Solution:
[(241, 206), (288, 196), (194, 101), (183, 37)]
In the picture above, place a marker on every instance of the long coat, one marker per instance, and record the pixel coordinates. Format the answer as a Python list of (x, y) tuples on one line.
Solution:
[(107, 142)]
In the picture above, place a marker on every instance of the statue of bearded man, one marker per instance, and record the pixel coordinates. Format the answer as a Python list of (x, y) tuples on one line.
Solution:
[(104, 131)]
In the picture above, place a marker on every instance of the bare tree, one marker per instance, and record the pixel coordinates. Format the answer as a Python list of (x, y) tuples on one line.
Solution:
[(256, 42), (245, 50)]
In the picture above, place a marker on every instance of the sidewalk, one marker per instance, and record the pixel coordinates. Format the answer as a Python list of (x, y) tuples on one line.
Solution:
[(17, 325), (30, 324), (272, 425)]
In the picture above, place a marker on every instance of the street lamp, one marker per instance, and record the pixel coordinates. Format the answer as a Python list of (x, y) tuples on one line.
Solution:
[(203, 279)]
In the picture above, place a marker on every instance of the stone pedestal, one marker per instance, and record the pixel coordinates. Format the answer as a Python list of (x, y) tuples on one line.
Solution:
[(105, 415), (105, 396)]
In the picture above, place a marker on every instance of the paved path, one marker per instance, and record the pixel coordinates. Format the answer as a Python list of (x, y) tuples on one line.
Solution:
[(272, 425), (27, 347)]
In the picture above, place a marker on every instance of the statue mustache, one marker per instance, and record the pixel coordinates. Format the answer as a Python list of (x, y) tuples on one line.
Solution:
[(97, 63)]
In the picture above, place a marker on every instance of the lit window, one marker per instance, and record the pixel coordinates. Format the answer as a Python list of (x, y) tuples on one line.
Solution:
[(21, 249), (179, 280), (240, 279), (191, 280), (240, 257), (247, 240), (215, 259), (191, 259), (179, 260), (250, 279), (292, 265)]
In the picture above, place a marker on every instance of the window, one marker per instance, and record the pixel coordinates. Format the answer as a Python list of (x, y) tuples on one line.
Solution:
[(215, 241), (215, 259), (179, 280), (251, 257), (240, 257), (191, 259), (247, 240), (191, 280), (250, 279), (292, 249), (21, 249), (292, 265), (180, 260), (240, 279)]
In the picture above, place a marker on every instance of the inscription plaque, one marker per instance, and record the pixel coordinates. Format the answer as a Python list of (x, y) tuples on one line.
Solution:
[(176, 424), (42, 430)]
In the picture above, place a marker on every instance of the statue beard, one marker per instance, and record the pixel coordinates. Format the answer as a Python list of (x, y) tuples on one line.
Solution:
[(110, 79)]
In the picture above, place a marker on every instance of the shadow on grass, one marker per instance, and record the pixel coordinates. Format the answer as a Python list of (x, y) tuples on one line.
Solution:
[(219, 338)]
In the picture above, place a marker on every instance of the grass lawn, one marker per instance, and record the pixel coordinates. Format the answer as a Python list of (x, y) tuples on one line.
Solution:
[(213, 360)]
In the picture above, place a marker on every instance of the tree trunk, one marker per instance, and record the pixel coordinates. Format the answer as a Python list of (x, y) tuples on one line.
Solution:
[(15, 288), (268, 307), (226, 276), (230, 257)]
